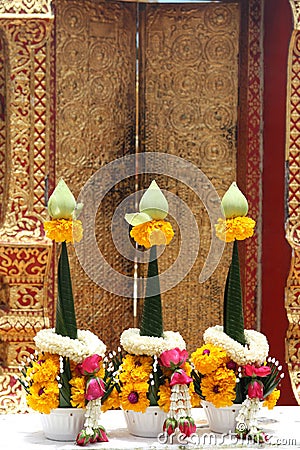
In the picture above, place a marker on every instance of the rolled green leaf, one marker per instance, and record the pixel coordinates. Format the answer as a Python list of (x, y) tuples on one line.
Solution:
[(152, 323), (65, 312), (233, 301)]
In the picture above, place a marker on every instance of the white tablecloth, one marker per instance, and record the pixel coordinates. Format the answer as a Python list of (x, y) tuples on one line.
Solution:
[(24, 432)]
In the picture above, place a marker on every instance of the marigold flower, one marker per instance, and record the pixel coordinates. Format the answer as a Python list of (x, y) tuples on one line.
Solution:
[(208, 358), (219, 387), (238, 228), (77, 392), (164, 394), (43, 398), (63, 230), (195, 399), (134, 396), (112, 401), (136, 368), (154, 232), (271, 399)]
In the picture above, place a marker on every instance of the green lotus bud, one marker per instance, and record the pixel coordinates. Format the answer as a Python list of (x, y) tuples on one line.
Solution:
[(154, 203), (234, 203), (62, 203)]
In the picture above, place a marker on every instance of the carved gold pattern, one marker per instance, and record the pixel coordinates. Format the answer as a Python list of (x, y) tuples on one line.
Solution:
[(292, 292), (189, 87), (295, 5), (26, 8), (95, 124), (25, 255)]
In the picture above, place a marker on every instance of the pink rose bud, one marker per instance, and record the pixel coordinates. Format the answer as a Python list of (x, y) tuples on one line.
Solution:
[(101, 435), (174, 357), (82, 439), (90, 365), (262, 371), (256, 390), (95, 388), (249, 370), (187, 426), (170, 425), (180, 377)]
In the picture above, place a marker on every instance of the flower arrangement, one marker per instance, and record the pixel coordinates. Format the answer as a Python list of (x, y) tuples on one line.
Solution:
[(66, 369), (154, 370), (233, 364)]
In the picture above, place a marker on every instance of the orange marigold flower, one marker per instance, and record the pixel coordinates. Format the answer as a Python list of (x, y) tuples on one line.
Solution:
[(134, 397), (219, 387), (238, 228), (63, 230), (208, 358), (43, 398), (136, 368), (77, 392), (164, 393), (112, 401), (195, 399), (155, 232), (271, 399)]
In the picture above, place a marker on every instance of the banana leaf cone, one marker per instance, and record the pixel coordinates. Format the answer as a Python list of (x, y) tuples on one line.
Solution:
[(65, 323), (233, 321), (152, 322)]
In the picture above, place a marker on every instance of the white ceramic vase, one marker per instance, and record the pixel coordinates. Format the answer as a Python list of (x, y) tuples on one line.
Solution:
[(63, 424), (148, 424), (221, 420)]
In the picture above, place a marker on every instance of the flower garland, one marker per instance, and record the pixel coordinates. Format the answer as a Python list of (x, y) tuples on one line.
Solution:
[(76, 349), (135, 344), (256, 350)]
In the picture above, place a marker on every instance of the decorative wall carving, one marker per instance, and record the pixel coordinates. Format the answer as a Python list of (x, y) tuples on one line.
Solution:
[(189, 95), (95, 124), (292, 293), (25, 254), (25, 8)]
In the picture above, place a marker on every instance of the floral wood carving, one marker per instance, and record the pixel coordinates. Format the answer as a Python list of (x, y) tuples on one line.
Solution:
[(25, 254), (292, 292)]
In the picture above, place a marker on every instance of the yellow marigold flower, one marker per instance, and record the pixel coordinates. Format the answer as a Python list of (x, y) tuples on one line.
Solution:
[(136, 368), (208, 358), (61, 230), (195, 399), (43, 398), (219, 387), (134, 396), (112, 401), (77, 392), (101, 372), (164, 394), (154, 232), (238, 228), (271, 399)]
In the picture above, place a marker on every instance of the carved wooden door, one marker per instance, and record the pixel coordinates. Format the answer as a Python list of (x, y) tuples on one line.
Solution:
[(186, 101)]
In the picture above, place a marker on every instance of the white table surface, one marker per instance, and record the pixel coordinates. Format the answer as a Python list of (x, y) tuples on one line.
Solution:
[(24, 432)]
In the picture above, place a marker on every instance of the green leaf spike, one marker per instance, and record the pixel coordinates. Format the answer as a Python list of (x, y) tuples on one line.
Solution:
[(233, 301), (65, 311), (152, 323)]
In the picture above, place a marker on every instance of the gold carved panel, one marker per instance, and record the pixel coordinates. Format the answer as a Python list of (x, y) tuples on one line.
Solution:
[(25, 8), (95, 124), (25, 254), (292, 293), (188, 101)]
